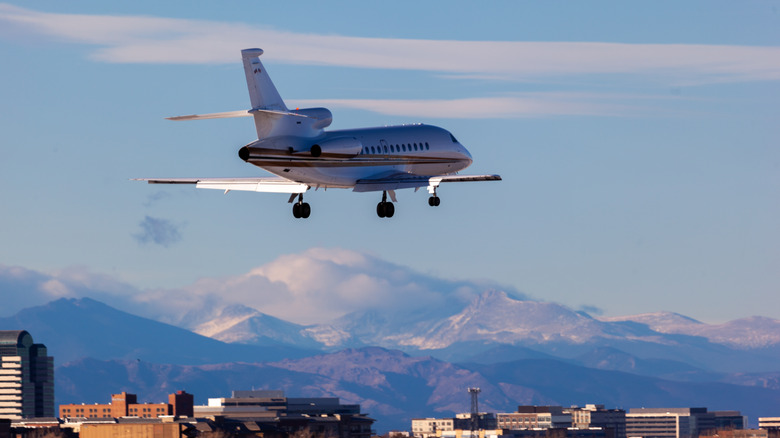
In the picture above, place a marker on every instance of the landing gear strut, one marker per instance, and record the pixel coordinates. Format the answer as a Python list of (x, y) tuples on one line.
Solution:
[(434, 200), (384, 208), (301, 209)]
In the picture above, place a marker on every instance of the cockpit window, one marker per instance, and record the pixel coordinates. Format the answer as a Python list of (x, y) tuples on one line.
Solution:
[(454, 140)]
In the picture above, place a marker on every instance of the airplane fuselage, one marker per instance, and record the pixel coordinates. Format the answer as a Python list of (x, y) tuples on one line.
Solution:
[(373, 153)]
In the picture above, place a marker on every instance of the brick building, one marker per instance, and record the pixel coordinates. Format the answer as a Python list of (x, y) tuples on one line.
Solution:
[(126, 405)]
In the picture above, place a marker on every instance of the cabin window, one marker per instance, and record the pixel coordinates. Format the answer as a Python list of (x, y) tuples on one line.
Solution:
[(404, 147), (428, 147), (415, 147), (385, 149)]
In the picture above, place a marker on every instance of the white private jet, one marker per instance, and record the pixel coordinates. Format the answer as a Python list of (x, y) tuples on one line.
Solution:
[(294, 145)]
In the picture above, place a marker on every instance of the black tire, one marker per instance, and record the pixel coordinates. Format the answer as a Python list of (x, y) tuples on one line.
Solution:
[(380, 209), (297, 211), (436, 201), (431, 201), (305, 210), (389, 209)]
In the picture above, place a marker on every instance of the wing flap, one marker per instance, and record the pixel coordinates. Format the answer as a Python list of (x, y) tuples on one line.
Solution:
[(405, 181), (265, 185)]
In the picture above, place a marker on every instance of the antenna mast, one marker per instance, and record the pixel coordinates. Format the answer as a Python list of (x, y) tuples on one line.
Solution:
[(474, 410)]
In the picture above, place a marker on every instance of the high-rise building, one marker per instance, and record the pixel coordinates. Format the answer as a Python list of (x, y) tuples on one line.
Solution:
[(26, 377)]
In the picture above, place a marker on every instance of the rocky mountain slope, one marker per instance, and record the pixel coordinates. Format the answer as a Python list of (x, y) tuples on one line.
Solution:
[(77, 328)]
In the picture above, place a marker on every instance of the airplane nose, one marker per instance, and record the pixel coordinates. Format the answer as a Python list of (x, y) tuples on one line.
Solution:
[(466, 155)]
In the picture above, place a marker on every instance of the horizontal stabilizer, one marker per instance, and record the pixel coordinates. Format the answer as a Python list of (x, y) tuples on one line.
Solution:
[(267, 185), (230, 114)]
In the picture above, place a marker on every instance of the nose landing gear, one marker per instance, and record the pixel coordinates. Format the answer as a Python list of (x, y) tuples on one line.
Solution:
[(384, 208), (301, 209)]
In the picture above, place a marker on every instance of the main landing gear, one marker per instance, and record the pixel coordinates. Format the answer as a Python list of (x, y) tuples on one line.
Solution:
[(384, 208), (434, 200), (301, 209)]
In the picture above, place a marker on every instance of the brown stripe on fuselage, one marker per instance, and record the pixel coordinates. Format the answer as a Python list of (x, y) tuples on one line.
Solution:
[(362, 161)]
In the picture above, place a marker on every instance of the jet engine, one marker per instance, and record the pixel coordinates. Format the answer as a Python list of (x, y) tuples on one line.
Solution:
[(343, 146), (323, 116)]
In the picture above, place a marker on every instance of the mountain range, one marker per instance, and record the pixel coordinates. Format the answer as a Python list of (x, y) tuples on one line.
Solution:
[(404, 365)]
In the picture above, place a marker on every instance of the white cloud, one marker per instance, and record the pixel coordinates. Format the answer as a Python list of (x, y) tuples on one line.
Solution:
[(501, 107), (321, 284), (142, 39), (315, 286)]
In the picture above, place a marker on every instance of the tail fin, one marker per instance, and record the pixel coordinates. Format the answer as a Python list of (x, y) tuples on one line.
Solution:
[(262, 92), (266, 101), (272, 118)]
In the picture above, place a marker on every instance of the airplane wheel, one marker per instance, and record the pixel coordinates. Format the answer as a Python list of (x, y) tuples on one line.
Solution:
[(436, 201), (380, 209), (430, 201), (389, 209), (305, 210), (297, 210)]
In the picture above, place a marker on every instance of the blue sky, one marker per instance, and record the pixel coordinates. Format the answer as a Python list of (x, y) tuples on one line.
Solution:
[(638, 143)]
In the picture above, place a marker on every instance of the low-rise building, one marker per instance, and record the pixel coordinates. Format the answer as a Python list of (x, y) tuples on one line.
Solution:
[(534, 417), (769, 423), (679, 422), (430, 427), (593, 415), (271, 409), (528, 433), (126, 405)]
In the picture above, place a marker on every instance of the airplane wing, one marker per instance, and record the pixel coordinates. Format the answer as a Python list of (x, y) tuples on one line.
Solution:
[(267, 185), (405, 181)]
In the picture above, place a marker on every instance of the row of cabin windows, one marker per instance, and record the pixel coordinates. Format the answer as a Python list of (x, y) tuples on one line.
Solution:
[(396, 148)]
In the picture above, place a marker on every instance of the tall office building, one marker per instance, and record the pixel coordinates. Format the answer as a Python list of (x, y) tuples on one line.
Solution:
[(26, 377)]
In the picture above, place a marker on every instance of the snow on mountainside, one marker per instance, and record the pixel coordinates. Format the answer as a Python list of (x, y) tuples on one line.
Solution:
[(493, 316), (241, 324), (223, 321), (752, 332)]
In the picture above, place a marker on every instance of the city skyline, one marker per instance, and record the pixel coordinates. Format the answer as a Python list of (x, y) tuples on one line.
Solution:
[(636, 143)]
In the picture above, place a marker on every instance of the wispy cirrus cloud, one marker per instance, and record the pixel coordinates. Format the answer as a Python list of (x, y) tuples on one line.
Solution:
[(143, 39), (516, 105)]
